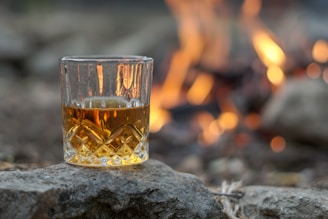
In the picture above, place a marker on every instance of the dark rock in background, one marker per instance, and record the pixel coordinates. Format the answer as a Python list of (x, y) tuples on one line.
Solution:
[(299, 111)]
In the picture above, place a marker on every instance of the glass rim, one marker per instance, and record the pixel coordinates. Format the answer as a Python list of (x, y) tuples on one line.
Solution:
[(106, 58)]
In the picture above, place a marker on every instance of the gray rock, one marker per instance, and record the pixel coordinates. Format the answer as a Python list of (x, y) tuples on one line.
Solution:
[(150, 190), (287, 203), (13, 46), (299, 111), (45, 61), (142, 41)]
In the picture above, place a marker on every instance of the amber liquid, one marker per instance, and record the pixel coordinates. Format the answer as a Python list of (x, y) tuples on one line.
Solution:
[(105, 132)]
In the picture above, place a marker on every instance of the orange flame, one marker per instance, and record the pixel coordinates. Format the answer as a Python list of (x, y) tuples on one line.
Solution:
[(211, 131), (158, 116), (269, 52), (191, 45), (201, 40), (229, 117), (275, 75), (200, 89), (251, 8), (172, 85)]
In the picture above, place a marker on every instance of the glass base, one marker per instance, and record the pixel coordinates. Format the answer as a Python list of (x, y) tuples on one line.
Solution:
[(137, 156)]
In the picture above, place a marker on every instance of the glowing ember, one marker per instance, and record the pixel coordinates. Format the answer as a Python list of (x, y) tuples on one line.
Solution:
[(200, 89), (252, 121), (242, 139), (313, 70), (228, 120), (320, 51), (278, 144)]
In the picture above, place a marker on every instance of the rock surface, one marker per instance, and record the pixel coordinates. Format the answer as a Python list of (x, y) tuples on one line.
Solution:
[(287, 203), (299, 111), (151, 190)]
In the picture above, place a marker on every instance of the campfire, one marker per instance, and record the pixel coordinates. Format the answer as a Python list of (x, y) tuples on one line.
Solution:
[(219, 65), (227, 65)]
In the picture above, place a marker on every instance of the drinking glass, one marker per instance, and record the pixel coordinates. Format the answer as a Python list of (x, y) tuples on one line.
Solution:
[(105, 109)]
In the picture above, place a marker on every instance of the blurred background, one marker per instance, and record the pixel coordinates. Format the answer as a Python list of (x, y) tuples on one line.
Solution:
[(239, 92)]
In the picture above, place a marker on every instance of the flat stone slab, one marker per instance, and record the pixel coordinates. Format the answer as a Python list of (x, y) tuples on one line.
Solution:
[(150, 190)]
